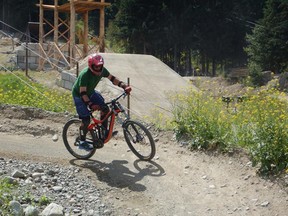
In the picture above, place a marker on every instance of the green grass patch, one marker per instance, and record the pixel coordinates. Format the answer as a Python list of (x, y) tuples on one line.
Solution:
[(18, 89), (7, 190)]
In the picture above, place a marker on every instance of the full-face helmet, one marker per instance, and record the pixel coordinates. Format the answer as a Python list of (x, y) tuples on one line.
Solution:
[(95, 63)]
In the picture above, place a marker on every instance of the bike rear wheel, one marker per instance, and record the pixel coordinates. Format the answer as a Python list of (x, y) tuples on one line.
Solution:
[(139, 140), (71, 138)]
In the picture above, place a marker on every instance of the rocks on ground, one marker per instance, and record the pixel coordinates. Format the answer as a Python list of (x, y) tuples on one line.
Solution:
[(46, 189)]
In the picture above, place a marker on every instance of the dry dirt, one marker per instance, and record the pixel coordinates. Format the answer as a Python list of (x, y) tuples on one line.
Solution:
[(176, 182)]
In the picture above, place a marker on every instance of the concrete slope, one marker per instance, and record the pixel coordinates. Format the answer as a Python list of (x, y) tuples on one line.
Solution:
[(150, 79)]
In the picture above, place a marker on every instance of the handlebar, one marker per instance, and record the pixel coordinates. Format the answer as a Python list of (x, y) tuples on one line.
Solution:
[(124, 94)]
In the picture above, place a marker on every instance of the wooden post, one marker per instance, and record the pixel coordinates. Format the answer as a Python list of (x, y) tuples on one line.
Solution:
[(26, 54), (56, 14), (41, 34), (101, 28), (72, 33), (77, 69), (128, 98), (85, 45)]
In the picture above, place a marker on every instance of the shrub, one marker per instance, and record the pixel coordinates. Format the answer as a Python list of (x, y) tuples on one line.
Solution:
[(260, 125)]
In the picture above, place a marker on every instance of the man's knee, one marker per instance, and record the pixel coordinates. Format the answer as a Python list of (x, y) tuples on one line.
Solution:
[(105, 109)]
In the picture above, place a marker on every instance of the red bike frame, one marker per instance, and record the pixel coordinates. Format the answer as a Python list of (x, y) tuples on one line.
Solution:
[(112, 114)]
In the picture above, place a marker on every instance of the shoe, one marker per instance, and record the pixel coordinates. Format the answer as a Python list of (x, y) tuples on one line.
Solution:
[(83, 145)]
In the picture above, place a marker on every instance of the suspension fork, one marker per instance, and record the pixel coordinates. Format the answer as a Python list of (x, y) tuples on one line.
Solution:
[(138, 136)]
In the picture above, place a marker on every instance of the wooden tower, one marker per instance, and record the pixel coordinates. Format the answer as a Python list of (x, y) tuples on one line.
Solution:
[(72, 7)]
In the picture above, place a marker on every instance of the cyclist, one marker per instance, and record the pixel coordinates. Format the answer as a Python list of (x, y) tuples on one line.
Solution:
[(87, 98)]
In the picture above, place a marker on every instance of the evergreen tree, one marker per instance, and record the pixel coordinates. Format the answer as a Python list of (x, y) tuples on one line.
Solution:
[(268, 47)]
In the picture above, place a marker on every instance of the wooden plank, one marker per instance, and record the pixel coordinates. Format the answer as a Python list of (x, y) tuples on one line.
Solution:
[(56, 20), (80, 6), (86, 31), (41, 34), (61, 54), (72, 33), (101, 29)]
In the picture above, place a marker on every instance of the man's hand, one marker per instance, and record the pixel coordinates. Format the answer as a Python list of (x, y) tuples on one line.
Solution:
[(128, 89), (94, 107)]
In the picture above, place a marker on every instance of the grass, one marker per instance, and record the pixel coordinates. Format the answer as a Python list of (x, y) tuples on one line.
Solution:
[(6, 195), (17, 89)]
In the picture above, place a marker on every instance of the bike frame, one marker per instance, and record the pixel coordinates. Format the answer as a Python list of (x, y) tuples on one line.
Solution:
[(112, 115)]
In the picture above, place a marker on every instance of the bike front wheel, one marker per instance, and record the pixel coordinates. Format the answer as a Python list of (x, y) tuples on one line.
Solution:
[(139, 140), (71, 139)]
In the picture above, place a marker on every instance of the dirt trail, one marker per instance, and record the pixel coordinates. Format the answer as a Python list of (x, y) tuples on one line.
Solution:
[(176, 182)]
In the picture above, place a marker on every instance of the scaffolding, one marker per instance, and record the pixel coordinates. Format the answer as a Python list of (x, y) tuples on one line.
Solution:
[(69, 51)]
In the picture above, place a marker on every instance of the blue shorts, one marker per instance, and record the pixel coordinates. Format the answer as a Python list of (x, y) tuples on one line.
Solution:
[(81, 107)]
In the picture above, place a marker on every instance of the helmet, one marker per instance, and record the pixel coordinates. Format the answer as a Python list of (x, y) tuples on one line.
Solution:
[(94, 61)]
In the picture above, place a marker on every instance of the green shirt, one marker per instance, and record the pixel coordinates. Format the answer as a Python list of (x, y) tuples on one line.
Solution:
[(87, 79)]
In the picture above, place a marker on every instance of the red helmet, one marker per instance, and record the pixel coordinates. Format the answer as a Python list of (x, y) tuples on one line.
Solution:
[(95, 63)]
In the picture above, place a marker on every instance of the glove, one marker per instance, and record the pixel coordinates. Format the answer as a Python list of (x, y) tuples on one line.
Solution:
[(127, 89), (94, 107)]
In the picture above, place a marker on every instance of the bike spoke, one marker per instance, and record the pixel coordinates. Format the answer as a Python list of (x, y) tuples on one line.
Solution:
[(71, 138), (139, 140)]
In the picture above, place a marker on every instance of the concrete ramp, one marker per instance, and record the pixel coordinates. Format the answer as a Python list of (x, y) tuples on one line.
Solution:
[(150, 79)]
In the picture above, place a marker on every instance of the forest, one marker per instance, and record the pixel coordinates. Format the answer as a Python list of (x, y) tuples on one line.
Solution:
[(194, 37)]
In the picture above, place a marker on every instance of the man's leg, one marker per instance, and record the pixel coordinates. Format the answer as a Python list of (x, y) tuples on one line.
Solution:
[(84, 115), (97, 98), (84, 128), (104, 111)]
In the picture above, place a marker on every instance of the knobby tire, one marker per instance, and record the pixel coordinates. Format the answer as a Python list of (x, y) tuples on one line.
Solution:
[(139, 140), (70, 135)]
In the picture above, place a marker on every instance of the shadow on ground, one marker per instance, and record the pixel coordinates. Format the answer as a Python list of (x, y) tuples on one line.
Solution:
[(117, 174)]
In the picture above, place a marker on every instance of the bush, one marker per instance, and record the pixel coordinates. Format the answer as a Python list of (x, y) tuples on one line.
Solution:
[(255, 75), (260, 125)]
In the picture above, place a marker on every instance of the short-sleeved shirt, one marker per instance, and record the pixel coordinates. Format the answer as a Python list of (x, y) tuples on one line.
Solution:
[(87, 79)]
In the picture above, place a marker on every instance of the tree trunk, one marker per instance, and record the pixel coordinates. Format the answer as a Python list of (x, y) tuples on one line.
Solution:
[(213, 67), (188, 63), (175, 58), (203, 64)]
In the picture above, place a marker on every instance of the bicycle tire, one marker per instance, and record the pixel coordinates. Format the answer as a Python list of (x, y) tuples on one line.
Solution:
[(139, 140), (71, 139)]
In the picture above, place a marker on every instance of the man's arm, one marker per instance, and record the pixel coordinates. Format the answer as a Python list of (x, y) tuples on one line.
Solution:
[(116, 81), (84, 96), (86, 99), (119, 83)]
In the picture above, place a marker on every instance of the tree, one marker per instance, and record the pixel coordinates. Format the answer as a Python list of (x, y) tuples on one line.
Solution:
[(17, 13), (268, 47)]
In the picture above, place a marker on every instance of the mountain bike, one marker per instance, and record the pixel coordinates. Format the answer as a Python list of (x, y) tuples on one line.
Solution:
[(137, 136)]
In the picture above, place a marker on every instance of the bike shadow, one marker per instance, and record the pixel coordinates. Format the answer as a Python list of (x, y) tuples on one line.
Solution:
[(116, 174)]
